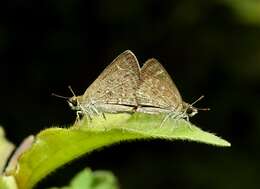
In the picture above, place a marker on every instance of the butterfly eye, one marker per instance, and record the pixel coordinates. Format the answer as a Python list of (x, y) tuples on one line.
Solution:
[(73, 102), (191, 111)]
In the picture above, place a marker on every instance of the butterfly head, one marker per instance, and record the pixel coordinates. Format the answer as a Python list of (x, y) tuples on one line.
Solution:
[(190, 110), (74, 101)]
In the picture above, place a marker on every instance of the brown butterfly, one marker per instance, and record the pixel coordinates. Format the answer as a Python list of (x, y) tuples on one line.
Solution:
[(113, 91), (157, 93)]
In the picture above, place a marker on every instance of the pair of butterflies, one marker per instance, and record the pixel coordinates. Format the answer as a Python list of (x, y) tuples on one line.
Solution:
[(125, 87)]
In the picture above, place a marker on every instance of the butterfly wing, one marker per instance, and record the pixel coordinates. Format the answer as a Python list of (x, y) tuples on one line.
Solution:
[(156, 87), (117, 83)]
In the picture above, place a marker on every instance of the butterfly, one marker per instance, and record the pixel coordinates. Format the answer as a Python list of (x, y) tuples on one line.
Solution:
[(113, 91), (157, 93)]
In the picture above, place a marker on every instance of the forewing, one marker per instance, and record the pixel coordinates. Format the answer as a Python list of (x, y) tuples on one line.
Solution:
[(157, 88), (117, 83)]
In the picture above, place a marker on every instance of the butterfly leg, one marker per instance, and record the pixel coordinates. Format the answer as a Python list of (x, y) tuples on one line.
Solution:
[(165, 119), (95, 111), (187, 118), (78, 113), (89, 119), (98, 112), (77, 120), (184, 116), (104, 116), (177, 116), (86, 112)]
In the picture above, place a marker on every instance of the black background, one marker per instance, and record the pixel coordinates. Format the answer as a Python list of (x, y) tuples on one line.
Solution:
[(207, 47)]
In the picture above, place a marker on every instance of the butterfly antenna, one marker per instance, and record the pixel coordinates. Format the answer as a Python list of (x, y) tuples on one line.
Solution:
[(203, 109), (59, 96), (201, 97), (71, 90), (74, 95)]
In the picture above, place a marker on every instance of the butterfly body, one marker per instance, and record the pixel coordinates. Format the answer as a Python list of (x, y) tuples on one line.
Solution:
[(92, 108)]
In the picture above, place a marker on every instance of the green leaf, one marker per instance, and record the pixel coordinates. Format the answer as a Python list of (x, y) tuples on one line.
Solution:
[(55, 147), (87, 179)]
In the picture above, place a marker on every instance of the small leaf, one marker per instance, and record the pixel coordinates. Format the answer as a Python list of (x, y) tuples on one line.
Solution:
[(104, 180), (55, 147), (25, 145), (87, 179), (6, 149), (7, 182)]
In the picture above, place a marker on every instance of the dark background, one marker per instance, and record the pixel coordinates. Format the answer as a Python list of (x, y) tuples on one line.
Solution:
[(208, 47)]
